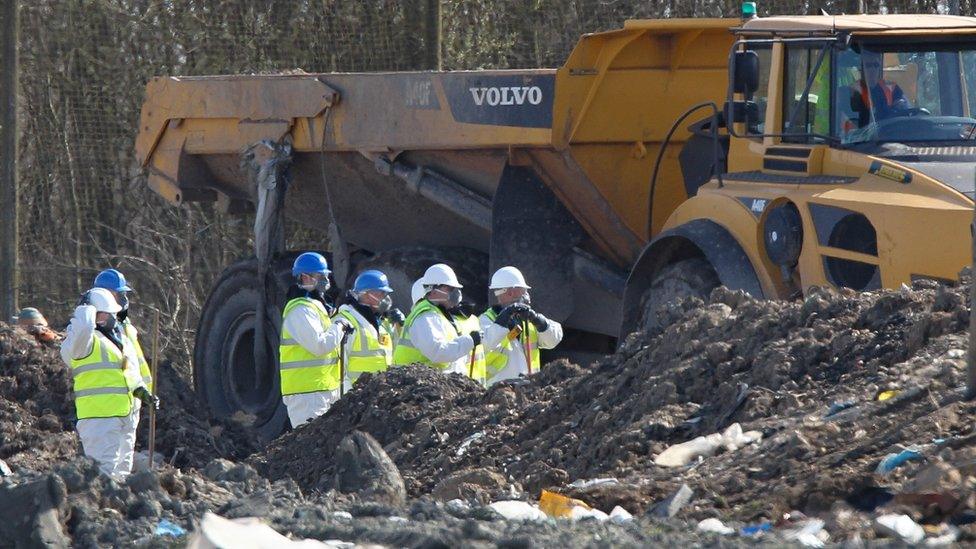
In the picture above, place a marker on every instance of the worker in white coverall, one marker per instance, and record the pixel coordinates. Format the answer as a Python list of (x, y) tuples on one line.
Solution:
[(514, 332), (309, 346), (105, 369), (436, 334), (370, 348)]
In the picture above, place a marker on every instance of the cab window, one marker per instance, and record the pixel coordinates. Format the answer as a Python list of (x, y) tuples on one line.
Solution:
[(806, 116)]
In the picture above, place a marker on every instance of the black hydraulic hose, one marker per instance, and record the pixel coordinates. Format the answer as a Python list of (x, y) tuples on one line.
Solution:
[(664, 147)]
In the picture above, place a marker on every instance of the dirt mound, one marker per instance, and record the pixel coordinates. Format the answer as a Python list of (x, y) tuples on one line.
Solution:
[(399, 409), (775, 367)]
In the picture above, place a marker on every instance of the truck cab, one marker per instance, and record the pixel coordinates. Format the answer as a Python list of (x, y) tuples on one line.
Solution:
[(850, 162)]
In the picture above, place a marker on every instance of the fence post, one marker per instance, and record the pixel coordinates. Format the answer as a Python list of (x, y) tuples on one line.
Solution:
[(433, 36), (8, 160)]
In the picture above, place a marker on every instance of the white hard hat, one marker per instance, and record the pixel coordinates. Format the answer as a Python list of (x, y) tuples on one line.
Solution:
[(417, 291), (507, 277), (440, 275), (103, 301)]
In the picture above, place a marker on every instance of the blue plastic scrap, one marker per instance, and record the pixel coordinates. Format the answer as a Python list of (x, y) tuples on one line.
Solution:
[(893, 461), (167, 528), (755, 529)]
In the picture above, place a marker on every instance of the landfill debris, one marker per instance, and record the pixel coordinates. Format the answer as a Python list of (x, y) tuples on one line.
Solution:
[(714, 526), (583, 484), (5, 470), (583, 513), (887, 395), (620, 515), (167, 528), (467, 442), (895, 460), (948, 535), (344, 515), (810, 533), (731, 439), (671, 506), (755, 530), (559, 506), (215, 532), (517, 510), (838, 407), (900, 526)]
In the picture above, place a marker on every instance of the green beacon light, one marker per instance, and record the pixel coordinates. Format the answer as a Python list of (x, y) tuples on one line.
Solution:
[(748, 10)]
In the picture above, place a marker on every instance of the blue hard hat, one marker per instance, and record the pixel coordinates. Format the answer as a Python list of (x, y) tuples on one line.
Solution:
[(371, 280), (310, 263), (110, 279)]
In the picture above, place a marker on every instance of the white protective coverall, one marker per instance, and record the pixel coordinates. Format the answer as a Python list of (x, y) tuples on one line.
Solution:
[(111, 441), (306, 329), (516, 365), (434, 336)]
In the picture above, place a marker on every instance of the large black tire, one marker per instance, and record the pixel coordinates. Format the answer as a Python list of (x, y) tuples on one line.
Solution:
[(693, 277), (225, 373), (405, 265)]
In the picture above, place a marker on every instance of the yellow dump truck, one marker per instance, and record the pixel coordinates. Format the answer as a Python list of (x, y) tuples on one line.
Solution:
[(661, 160)]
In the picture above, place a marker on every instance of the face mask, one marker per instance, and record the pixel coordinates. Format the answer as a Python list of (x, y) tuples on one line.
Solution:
[(524, 299), (108, 324), (384, 305), (322, 285), (124, 301), (453, 297)]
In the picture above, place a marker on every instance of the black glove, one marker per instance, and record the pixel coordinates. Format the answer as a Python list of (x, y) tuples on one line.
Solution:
[(396, 316), (540, 322), (512, 315), (84, 299), (146, 397), (476, 337)]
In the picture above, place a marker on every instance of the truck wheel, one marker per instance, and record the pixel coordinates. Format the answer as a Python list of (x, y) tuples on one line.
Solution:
[(405, 265), (673, 283), (225, 373)]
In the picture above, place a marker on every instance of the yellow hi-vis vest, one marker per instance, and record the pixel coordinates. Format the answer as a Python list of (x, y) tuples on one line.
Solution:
[(99, 381), (405, 353), (302, 371), (368, 353), (498, 359), (133, 335)]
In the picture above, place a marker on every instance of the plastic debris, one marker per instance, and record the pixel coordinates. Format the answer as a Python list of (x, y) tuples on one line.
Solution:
[(467, 442), (167, 528), (715, 526), (901, 526), (755, 530), (731, 439), (669, 508), (810, 533), (893, 461), (5, 469), (887, 395), (838, 407), (398, 519), (582, 513), (593, 482), (517, 510), (346, 515), (249, 533), (948, 538), (559, 506), (619, 515)]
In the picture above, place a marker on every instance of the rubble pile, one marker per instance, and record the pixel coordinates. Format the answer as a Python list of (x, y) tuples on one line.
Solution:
[(837, 417)]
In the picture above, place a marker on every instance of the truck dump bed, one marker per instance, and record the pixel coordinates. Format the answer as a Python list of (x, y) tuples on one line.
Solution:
[(424, 158)]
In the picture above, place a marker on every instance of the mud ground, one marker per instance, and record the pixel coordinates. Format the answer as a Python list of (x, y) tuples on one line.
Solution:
[(807, 375)]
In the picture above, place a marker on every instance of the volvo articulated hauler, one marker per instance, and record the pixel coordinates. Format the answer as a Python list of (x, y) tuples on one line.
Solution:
[(661, 160)]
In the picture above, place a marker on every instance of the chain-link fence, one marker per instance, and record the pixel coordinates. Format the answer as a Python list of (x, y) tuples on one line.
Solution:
[(84, 63)]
